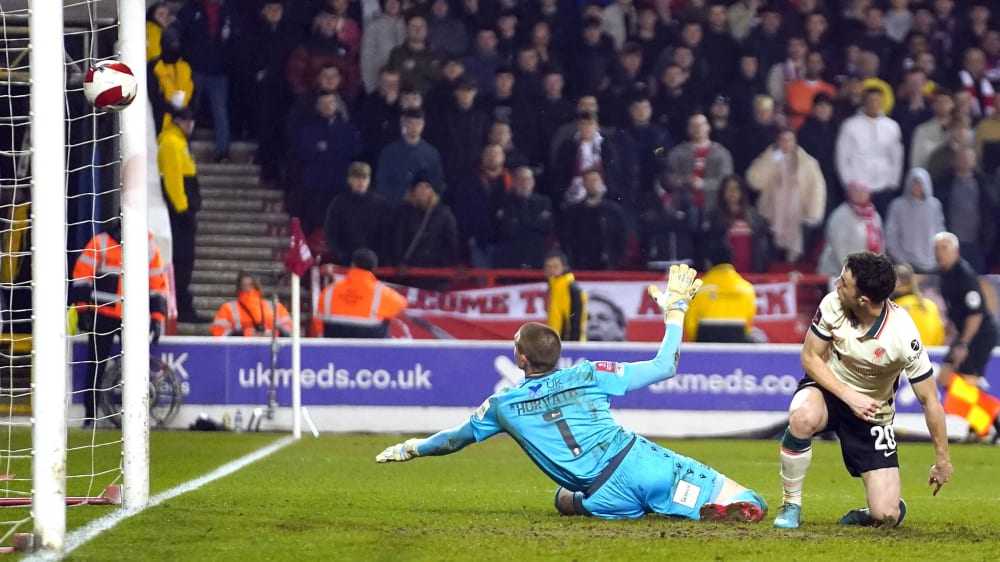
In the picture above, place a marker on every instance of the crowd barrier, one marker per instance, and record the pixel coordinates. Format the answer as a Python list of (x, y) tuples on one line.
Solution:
[(421, 386)]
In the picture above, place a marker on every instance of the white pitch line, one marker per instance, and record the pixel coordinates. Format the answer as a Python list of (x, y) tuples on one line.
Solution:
[(81, 536)]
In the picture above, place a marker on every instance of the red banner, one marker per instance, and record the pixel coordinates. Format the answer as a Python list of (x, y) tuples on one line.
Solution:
[(616, 311)]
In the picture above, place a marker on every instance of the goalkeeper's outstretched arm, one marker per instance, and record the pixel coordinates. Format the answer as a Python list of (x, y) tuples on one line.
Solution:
[(444, 442), (661, 367), (681, 288)]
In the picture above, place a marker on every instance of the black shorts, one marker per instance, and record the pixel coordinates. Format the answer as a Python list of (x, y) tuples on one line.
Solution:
[(977, 358), (865, 446)]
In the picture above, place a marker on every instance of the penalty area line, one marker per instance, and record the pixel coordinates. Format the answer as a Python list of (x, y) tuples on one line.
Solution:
[(84, 534)]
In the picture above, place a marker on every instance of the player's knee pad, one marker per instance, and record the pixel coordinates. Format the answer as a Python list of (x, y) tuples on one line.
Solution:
[(568, 503)]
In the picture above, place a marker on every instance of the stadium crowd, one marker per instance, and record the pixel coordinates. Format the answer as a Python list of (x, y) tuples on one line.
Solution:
[(485, 132)]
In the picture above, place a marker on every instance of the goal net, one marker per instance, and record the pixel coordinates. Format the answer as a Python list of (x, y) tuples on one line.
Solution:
[(67, 173)]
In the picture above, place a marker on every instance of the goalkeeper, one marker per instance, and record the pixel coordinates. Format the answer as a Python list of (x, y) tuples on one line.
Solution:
[(561, 418)]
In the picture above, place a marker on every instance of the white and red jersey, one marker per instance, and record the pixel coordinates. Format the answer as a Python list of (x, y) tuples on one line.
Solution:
[(871, 360)]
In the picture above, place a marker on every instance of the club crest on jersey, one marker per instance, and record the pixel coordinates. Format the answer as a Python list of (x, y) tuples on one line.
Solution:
[(609, 367), (878, 356)]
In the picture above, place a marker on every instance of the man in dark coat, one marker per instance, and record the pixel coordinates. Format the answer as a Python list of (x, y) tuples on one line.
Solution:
[(477, 202), (261, 58), (524, 225), (818, 137), (594, 229), (460, 134), (208, 29), (357, 218), (424, 234), (327, 144), (409, 157)]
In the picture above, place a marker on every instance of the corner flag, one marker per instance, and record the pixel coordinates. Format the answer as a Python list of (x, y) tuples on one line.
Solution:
[(299, 258), (979, 408)]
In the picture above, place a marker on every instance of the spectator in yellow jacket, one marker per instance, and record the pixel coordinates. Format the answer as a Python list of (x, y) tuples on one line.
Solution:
[(170, 85), (725, 307), (179, 180), (158, 18), (567, 301), (922, 310)]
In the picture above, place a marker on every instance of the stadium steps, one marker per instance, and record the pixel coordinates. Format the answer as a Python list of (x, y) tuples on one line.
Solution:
[(262, 216), (240, 152), (226, 278), (227, 169), (224, 193), (226, 291), (248, 205), (250, 253), (241, 227), (239, 240), (227, 181), (235, 265)]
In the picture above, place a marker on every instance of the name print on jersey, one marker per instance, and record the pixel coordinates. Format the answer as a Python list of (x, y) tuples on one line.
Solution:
[(546, 402)]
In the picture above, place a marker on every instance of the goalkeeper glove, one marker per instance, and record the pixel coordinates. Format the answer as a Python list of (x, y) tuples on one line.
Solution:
[(400, 452), (681, 288)]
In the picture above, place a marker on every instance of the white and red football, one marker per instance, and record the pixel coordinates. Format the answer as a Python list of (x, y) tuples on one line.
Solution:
[(110, 85)]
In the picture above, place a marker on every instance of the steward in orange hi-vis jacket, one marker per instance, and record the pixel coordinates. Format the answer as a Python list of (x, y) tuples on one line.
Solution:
[(358, 305), (250, 314), (97, 294)]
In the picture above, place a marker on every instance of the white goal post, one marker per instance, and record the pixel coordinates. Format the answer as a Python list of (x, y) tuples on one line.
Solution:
[(49, 173)]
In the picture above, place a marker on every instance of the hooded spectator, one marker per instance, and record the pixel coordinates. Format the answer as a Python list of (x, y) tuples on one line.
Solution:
[(912, 221)]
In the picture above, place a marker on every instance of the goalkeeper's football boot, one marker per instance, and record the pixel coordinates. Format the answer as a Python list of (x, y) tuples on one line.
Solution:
[(789, 516), (862, 518), (736, 511)]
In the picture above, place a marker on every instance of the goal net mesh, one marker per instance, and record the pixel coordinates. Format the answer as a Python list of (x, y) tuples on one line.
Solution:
[(92, 193)]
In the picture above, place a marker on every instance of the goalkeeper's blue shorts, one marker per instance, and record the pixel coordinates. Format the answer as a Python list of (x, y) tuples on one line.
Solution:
[(653, 479)]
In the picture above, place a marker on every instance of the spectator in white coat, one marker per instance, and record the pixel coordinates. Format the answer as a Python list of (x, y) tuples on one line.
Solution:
[(870, 150), (793, 194), (913, 219)]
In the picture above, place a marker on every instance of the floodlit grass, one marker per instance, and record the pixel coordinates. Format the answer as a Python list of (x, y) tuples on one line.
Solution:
[(326, 499)]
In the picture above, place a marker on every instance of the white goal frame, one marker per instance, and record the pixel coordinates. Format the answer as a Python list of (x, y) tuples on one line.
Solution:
[(50, 343)]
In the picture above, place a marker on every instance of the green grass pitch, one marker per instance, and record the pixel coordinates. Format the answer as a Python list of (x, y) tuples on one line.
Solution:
[(326, 499)]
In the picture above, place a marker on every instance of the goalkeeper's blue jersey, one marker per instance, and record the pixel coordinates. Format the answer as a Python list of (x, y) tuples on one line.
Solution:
[(561, 420)]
